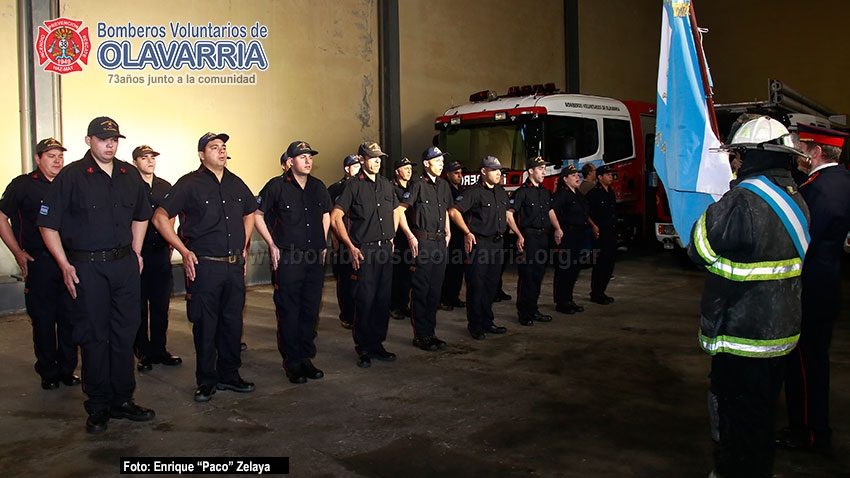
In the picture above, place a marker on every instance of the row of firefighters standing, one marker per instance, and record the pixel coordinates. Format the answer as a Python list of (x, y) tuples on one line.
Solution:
[(446, 231), (772, 249), (91, 261)]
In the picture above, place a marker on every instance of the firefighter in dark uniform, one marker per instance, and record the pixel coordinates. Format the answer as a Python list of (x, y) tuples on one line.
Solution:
[(427, 232), (300, 205), (603, 222), (156, 275), (752, 243), (368, 202), (570, 206), (402, 258), (47, 300), (269, 220), (530, 215), (453, 280), (342, 269), (216, 220), (827, 193), (481, 216), (93, 222)]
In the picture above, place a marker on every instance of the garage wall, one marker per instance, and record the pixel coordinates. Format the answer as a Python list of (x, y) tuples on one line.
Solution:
[(450, 49), (320, 86), (801, 44), (10, 124), (618, 48)]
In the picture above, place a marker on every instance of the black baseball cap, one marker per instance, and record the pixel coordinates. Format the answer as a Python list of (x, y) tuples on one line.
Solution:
[(350, 159), (207, 137), (370, 149), (399, 163), (104, 128), (47, 144), (297, 148), (452, 167), (143, 150)]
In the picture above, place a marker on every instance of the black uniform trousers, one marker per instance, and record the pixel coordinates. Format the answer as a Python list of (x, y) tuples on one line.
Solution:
[(402, 271), (606, 253), (156, 293), (427, 282), (483, 274), (297, 297), (531, 267), (106, 319), (214, 303), (453, 279), (372, 286), (569, 257), (807, 378), (49, 307), (344, 287), (746, 390)]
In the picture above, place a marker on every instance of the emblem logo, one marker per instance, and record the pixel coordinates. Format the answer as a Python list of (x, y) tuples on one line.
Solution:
[(63, 46)]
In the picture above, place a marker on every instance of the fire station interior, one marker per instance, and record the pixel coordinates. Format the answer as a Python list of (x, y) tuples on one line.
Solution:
[(617, 390)]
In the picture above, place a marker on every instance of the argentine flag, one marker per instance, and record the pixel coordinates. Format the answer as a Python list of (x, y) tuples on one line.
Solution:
[(693, 177)]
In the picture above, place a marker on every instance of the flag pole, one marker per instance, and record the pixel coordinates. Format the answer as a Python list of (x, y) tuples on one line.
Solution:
[(709, 94)]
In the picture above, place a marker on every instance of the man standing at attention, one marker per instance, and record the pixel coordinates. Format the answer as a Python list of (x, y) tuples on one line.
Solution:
[(402, 260), (93, 222), (752, 243), (484, 206), (427, 231), (47, 300), (216, 219), (453, 280), (827, 193), (342, 268), (156, 276), (300, 205), (603, 222), (369, 202), (530, 215)]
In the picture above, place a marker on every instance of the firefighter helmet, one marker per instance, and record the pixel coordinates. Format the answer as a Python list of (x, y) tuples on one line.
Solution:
[(765, 133)]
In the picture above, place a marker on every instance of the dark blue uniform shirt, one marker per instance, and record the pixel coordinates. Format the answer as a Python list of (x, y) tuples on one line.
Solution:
[(295, 213), (428, 202), (531, 205), (484, 209), (211, 212), (369, 206), (570, 207), (153, 239), (93, 211), (21, 202), (603, 207)]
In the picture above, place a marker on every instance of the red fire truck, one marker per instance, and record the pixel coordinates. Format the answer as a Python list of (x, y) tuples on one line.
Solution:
[(564, 129)]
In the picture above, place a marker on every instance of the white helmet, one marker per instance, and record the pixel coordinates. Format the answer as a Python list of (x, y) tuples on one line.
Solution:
[(767, 134)]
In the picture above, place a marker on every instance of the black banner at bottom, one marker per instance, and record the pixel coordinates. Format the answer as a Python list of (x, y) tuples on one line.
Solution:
[(178, 465)]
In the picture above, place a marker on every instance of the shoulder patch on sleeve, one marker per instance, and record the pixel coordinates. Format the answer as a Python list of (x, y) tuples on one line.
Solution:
[(44, 210)]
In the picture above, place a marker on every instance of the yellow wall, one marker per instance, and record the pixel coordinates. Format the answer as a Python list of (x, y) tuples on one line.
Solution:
[(320, 87), (450, 49), (619, 42), (801, 44), (10, 130)]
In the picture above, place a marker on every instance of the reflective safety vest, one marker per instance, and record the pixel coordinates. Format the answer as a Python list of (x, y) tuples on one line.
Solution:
[(751, 308), (792, 218)]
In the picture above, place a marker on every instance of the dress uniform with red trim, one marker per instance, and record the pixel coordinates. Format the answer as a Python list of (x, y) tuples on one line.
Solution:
[(827, 193)]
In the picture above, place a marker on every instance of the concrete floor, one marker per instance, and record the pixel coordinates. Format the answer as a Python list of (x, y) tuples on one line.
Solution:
[(618, 390)]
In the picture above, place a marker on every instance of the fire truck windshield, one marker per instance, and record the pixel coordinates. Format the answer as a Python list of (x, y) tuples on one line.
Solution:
[(559, 139)]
